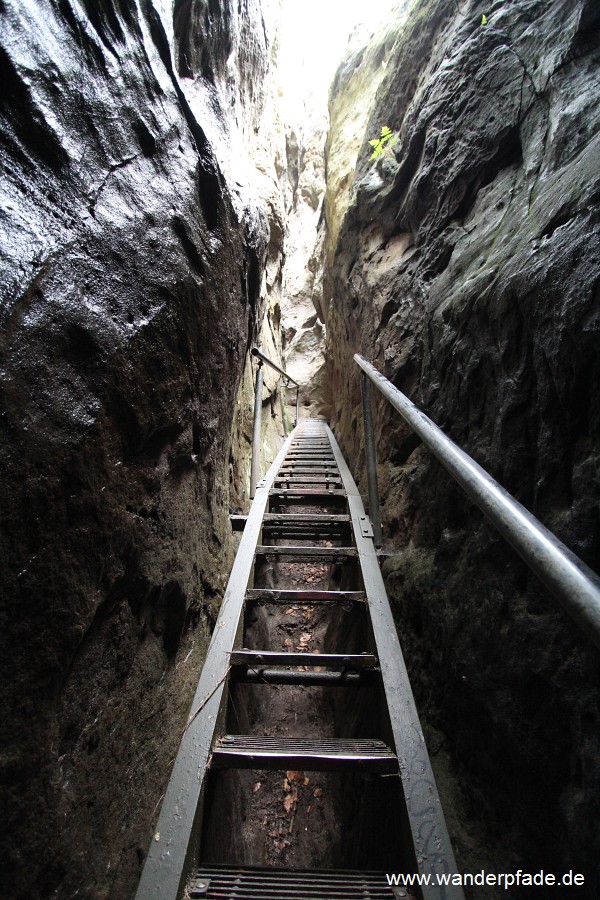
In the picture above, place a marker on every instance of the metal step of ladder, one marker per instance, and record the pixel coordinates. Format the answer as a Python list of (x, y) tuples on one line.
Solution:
[(275, 595), (265, 752), (307, 512), (307, 677), (258, 659), (261, 883)]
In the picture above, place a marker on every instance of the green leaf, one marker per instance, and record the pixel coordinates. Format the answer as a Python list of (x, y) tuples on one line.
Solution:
[(484, 20), (382, 145)]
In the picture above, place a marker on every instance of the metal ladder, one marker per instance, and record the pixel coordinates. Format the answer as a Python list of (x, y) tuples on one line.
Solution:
[(307, 511)]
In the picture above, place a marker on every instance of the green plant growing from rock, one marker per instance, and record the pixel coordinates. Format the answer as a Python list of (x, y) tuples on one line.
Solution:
[(383, 144)]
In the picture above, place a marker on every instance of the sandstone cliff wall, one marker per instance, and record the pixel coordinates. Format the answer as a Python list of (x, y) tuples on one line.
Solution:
[(466, 268), (132, 287)]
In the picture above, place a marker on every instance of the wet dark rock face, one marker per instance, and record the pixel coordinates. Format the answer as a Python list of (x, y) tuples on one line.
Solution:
[(467, 270), (129, 294)]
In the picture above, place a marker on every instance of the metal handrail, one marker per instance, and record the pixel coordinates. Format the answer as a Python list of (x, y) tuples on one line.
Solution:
[(255, 464), (256, 352), (567, 577)]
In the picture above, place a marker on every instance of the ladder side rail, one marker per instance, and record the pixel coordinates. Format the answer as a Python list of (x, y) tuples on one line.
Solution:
[(566, 576), (170, 856), (433, 849)]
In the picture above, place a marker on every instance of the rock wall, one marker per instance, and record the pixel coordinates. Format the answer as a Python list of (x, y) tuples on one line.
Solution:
[(236, 97), (303, 330), (466, 268), (132, 287), (315, 213)]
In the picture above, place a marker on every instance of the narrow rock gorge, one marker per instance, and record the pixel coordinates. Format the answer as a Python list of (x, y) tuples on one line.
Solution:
[(161, 213)]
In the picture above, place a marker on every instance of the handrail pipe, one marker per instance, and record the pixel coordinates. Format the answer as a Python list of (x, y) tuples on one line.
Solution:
[(255, 464), (566, 576), (256, 352)]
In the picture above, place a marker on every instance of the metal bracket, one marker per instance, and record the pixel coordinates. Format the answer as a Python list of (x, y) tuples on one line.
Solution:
[(366, 529), (200, 888), (238, 523), (399, 892)]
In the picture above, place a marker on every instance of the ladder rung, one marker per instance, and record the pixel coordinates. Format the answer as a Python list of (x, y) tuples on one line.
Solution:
[(306, 492), (289, 533), (257, 658), (266, 595), (310, 463), (264, 752), (308, 479), (275, 675), (274, 883), (316, 459), (305, 477), (316, 454), (302, 469), (306, 518), (301, 553)]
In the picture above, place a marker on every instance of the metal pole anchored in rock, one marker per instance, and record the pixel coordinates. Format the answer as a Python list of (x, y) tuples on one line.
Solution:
[(365, 387), (566, 576), (255, 466), (289, 380)]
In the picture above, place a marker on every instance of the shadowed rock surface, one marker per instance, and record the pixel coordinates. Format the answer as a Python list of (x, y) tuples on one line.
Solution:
[(467, 270), (130, 291)]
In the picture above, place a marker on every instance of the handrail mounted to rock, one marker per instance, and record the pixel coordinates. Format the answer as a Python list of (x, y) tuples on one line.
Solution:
[(255, 465), (566, 576)]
